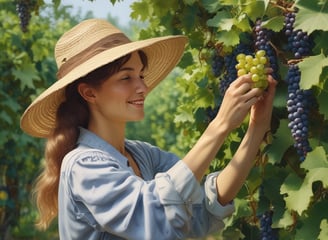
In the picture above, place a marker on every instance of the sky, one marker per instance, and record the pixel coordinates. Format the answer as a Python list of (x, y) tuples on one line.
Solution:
[(101, 8)]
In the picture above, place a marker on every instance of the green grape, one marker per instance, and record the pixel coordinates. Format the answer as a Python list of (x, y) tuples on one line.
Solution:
[(254, 70), (256, 61), (241, 72), (249, 59), (255, 65), (260, 53), (255, 77), (263, 60), (240, 57)]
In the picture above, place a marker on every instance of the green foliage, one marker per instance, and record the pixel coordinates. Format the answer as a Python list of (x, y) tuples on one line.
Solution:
[(295, 191), (27, 67), (177, 109)]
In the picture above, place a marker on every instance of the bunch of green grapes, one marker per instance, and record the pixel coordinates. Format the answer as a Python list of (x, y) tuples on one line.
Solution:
[(256, 66)]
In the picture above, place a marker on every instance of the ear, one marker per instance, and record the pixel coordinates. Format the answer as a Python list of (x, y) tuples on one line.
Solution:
[(86, 92)]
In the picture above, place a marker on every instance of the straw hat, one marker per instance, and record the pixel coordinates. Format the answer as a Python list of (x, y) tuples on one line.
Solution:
[(86, 47)]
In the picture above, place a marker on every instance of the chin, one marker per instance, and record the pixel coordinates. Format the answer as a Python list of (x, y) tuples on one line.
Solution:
[(137, 119)]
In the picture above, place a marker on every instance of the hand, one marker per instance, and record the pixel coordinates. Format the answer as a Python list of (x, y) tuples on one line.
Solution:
[(261, 111), (237, 101)]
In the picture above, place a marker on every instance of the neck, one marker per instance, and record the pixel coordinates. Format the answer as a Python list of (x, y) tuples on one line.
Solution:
[(113, 133)]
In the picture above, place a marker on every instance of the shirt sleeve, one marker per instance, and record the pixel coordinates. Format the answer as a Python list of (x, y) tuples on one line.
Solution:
[(112, 199)]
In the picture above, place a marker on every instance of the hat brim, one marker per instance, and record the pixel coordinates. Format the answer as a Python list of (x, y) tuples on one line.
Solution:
[(163, 54)]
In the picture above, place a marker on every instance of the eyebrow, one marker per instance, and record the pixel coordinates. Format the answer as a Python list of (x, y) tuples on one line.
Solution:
[(130, 69)]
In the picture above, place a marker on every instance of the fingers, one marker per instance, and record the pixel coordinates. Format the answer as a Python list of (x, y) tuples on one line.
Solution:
[(254, 95), (240, 80), (270, 92), (244, 88)]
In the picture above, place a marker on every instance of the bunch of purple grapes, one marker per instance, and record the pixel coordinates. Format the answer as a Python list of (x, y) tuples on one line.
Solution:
[(267, 233), (217, 64), (299, 103), (299, 42), (266, 230), (23, 8), (262, 42)]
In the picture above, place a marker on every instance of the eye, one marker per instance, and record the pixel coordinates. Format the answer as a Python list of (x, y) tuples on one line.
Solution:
[(126, 78)]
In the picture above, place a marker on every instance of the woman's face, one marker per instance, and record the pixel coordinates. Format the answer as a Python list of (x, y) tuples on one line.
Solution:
[(121, 97)]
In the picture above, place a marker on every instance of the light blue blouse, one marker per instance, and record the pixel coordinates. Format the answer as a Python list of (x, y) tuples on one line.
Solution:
[(100, 197)]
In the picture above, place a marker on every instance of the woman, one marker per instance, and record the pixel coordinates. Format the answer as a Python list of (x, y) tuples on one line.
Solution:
[(103, 186)]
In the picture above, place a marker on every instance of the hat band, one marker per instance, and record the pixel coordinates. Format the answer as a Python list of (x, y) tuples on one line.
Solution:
[(103, 44)]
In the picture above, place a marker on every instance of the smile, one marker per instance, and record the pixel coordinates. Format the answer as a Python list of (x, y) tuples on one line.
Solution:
[(137, 102)]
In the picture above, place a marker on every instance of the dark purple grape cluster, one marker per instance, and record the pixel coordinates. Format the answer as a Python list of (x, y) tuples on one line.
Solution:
[(266, 230), (299, 103), (217, 64), (230, 74), (267, 233), (230, 62), (299, 43), (262, 42), (24, 13), (212, 112)]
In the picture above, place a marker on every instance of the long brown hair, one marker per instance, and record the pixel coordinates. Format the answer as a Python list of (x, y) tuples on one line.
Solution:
[(71, 114)]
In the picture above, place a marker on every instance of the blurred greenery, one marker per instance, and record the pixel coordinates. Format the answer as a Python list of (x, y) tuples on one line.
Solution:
[(177, 110)]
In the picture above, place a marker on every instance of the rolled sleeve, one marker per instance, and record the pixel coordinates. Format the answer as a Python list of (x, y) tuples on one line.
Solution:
[(211, 196), (180, 180)]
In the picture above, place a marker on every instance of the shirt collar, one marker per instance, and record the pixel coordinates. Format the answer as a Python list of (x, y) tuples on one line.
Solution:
[(90, 139)]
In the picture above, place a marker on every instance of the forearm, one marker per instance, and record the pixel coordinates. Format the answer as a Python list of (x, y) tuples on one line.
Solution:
[(233, 176), (200, 156)]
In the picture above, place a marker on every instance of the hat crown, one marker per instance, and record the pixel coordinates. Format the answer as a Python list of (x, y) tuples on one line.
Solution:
[(81, 37)]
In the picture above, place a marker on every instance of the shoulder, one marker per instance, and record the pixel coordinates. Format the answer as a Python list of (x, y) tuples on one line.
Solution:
[(144, 148), (86, 157)]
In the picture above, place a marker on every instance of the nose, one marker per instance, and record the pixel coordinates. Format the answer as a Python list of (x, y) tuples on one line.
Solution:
[(141, 87)]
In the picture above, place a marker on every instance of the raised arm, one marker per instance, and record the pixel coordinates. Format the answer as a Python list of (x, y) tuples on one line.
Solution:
[(238, 101)]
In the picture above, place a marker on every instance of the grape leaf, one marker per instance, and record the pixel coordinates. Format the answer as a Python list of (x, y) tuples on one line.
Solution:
[(311, 224), (242, 207), (26, 74), (204, 98), (221, 20), (285, 221), (256, 9), (229, 38), (320, 43), (324, 230), (141, 11), (316, 159), (311, 69), (189, 2), (299, 192), (281, 142), (188, 17), (229, 2), (211, 5), (243, 23), (275, 23), (184, 115), (323, 98), (296, 197), (312, 15)]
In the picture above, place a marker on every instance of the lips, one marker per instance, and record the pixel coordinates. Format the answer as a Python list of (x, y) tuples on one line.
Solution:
[(137, 102)]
